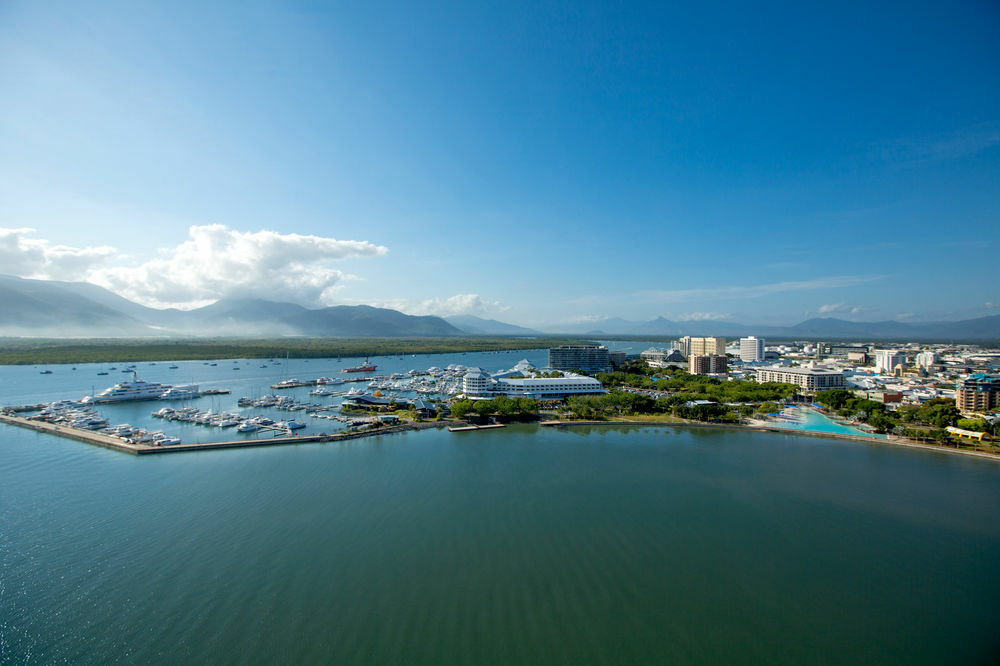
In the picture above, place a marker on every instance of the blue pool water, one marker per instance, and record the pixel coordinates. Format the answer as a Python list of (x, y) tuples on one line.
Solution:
[(809, 419)]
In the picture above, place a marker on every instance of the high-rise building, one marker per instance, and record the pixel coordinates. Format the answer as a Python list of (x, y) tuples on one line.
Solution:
[(751, 349), (589, 358), (708, 364), (978, 393), (926, 359), (886, 360), (617, 358), (706, 346)]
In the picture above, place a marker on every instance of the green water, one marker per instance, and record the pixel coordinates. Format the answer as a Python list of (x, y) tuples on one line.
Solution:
[(522, 545)]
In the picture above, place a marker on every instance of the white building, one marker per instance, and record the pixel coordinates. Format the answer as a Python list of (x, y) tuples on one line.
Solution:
[(751, 349), (478, 384), (811, 379), (926, 359), (887, 360)]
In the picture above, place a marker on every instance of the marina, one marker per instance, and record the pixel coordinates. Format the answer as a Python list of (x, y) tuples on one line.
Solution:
[(137, 448)]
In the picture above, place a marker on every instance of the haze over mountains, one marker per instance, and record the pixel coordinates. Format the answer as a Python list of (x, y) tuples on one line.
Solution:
[(43, 308)]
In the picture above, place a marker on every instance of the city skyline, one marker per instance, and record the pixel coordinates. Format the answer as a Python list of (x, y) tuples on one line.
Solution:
[(544, 165)]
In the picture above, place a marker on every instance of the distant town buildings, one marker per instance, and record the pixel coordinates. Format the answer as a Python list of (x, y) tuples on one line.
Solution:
[(926, 359), (811, 379), (589, 358), (841, 351), (708, 364), (663, 358), (978, 393), (887, 360), (751, 349)]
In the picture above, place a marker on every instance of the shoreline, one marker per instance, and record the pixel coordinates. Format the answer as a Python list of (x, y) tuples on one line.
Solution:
[(893, 440), (114, 443)]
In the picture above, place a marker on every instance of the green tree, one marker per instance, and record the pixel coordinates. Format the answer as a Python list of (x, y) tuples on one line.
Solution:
[(461, 409)]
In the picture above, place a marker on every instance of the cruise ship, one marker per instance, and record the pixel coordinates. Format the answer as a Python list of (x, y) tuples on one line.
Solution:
[(136, 389)]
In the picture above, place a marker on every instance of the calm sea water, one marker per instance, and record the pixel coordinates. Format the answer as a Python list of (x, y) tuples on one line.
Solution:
[(510, 546)]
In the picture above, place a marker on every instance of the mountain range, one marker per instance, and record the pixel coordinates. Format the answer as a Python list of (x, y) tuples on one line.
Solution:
[(47, 308), (980, 329)]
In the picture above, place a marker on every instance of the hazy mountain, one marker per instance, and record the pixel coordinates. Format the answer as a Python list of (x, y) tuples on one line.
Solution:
[(364, 320), (607, 325), (45, 309), (479, 326), (983, 328), (168, 317)]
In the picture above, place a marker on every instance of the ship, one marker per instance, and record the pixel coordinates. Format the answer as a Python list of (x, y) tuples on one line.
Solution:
[(364, 367), (136, 389)]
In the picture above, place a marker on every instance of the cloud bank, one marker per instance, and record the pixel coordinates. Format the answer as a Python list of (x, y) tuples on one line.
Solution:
[(214, 262), (843, 307), (28, 257), (459, 304)]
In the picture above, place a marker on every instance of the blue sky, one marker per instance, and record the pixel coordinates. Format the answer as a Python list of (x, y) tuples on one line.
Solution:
[(540, 163)]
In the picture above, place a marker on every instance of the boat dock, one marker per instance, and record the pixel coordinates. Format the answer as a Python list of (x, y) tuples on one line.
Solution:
[(117, 444), (315, 382), (476, 427)]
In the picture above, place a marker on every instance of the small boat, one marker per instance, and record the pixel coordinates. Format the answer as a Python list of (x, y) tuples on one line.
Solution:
[(46, 372), (102, 373), (172, 367)]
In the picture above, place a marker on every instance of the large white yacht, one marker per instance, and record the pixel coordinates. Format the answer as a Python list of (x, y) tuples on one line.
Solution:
[(183, 392), (136, 389)]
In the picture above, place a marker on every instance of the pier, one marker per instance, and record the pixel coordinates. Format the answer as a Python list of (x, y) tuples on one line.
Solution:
[(476, 427), (117, 444)]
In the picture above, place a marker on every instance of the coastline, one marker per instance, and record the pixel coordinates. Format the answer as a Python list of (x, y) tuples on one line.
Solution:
[(114, 443), (889, 439)]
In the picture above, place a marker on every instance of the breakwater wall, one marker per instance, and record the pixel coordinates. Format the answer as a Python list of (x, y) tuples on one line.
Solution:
[(117, 444)]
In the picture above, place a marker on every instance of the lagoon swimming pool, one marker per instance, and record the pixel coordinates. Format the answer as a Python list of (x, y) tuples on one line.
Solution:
[(806, 418)]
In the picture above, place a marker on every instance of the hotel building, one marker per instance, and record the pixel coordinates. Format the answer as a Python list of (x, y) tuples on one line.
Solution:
[(708, 364), (810, 379), (751, 349), (479, 384), (589, 358), (978, 393)]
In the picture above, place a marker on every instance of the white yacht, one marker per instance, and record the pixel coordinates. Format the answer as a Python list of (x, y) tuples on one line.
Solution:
[(136, 389), (183, 392)]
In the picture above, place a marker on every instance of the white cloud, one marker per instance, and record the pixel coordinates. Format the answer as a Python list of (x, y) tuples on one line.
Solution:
[(581, 319), (215, 262), (702, 316), (28, 257), (756, 291), (472, 304), (843, 308)]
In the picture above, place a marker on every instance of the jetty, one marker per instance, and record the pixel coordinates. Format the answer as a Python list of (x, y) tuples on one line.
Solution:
[(467, 428), (118, 444)]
